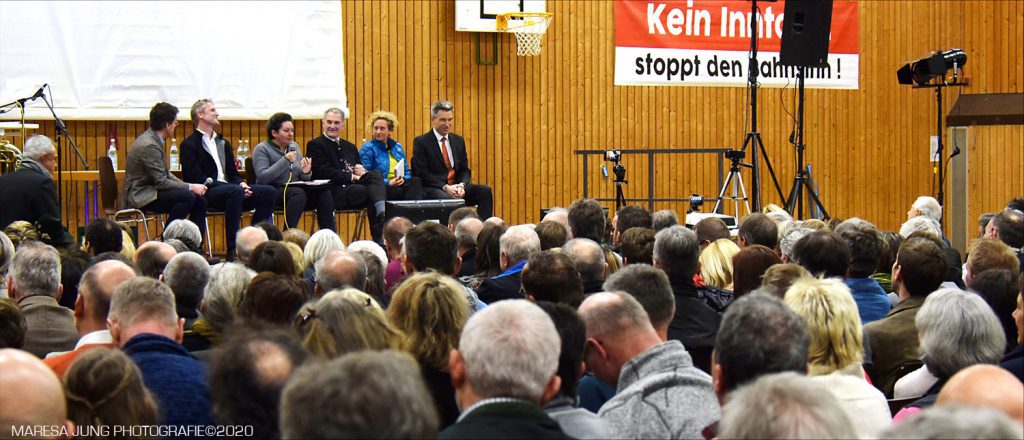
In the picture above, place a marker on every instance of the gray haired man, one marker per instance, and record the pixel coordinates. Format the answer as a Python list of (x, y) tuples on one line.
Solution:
[(29, 193), (34, 282)]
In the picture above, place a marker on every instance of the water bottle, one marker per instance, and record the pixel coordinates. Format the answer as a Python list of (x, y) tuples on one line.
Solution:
[(175, 165), (112, 153)]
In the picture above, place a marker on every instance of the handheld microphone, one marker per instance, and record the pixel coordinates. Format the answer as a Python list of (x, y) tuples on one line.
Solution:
[(208, 182)]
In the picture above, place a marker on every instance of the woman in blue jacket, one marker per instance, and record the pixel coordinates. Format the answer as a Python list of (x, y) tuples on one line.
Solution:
[(384, 154)]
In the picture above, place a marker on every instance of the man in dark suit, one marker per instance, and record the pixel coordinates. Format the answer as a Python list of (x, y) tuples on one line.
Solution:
[(352, 185), (148, 185), (501, 387), (439, 159), (29, 193), (207, 159)]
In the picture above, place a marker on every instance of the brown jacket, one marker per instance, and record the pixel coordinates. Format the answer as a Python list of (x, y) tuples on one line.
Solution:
[(893, 343), (50, 326)]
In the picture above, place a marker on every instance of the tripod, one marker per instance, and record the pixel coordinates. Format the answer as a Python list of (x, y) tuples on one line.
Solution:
[(753, 137), (802, 181), (620, 179), (737, 184)]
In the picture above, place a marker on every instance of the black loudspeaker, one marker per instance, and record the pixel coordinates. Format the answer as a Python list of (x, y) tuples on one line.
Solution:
[(805, 32), (421, 210)]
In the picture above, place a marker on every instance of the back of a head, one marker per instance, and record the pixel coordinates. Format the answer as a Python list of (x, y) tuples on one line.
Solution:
[(749, 265), (273, 298), (632, 216), (223, 294), (296, 236), (942, 422), (780, 277), (272, 256), (823, 254), (790, 238), (985, 386), (321, 243), (1010, 226), (710, 229), (246, 241), (518, 243), (247, 374), (999, 288), (922, 224), (922, 266), (103, 235), (892, 241), (510, 349), (757, 228), (12, 324), (551, 234), (39, 399), (6, 253), (587, 219), (185, 231), (957, 329), (431, 310), (784, 406), (429, 245), (663, 219), (676, 251), (339, 269), (99, 283), (759, 335), (716, 263), (865, 243), (143, 300), (638, 245), (461, 214), (394, 230), (615, 317), (187, 274), (988, 254), (273, 233), (588, 257), (927, 207), (298, 259), (649, 287), (467, 230), (488, 249), (21, 232), (35, 270), (368, 394), (104, 388), (551, 276), (337, 324), (573, 335), (151, 258), (833, 324)]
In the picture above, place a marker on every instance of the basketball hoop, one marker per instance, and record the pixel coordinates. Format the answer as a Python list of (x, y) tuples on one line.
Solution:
[(528, 27)]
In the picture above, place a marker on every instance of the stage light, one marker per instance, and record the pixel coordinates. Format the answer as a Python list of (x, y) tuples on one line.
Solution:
[(932, 66)]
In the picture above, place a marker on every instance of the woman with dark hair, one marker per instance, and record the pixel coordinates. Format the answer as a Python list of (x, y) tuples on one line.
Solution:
[(487, 255), (749, 265), (273, 298), (273, 256), (104, 388), (279, 162), (883, 274)]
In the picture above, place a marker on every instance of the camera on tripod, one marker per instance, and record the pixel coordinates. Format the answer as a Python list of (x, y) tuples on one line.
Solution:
[(615, 156), (735, 155)]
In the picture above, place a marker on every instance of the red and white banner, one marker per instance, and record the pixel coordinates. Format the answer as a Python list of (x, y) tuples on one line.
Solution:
[(707, 43)]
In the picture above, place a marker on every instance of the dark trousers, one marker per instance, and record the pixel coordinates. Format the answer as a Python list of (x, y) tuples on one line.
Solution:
[(179, 203), (364, 193), (230, 198), (303, 198), (476, 195), (412, 189)]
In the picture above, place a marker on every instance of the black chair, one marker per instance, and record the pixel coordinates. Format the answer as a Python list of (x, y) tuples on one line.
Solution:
[(109, 198)]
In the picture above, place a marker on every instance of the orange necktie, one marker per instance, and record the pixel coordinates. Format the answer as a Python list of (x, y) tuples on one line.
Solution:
[(447, 162)]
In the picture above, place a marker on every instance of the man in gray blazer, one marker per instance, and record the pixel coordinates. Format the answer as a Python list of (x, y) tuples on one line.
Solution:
[(34, 282), (148, 184)]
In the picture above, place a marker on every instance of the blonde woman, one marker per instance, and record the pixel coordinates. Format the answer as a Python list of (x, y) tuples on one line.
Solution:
[(836, 350), (716, 263), (339, 323), (431, 310), (382, 153)]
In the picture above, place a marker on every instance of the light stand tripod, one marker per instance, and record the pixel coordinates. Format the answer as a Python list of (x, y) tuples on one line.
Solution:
[(737, 184), (802, 180), (620, 179), (938, 131), (753, 137)]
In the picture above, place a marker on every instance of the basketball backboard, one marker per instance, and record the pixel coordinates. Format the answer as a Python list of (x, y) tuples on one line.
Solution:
[(480, 15)]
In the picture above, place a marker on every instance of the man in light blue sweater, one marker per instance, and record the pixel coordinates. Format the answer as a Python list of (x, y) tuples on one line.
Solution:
[(659, 394)]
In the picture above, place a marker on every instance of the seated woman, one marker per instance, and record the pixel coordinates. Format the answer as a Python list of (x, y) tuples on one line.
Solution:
[(383, 154), (278, 162), (836, 350), (716, 263)]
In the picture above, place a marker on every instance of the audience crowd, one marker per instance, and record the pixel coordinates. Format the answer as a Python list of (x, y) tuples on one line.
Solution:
[(579, 326)]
